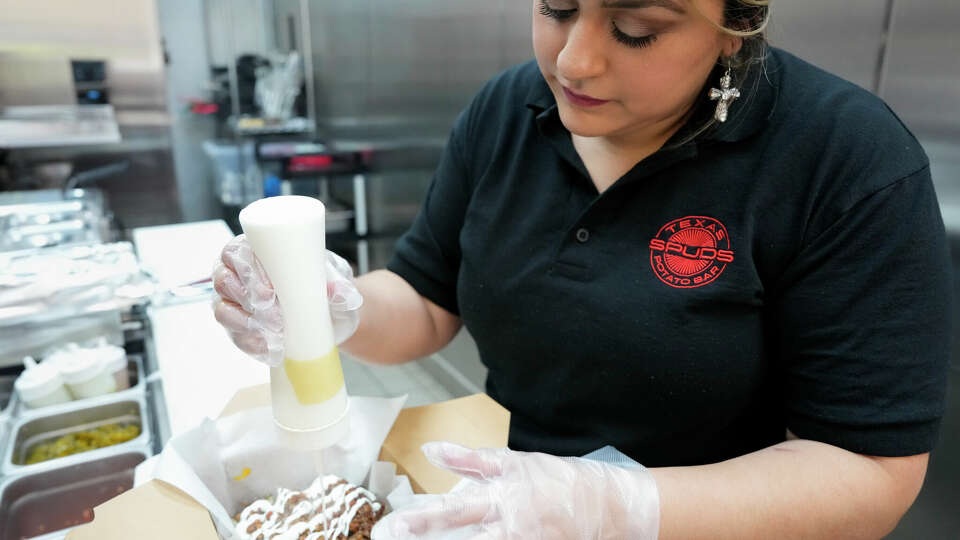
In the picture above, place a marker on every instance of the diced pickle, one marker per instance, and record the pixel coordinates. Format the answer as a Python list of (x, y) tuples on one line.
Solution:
[(82, 441)]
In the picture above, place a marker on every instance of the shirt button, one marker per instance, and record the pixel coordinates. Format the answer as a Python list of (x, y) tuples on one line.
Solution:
[(583, 235)]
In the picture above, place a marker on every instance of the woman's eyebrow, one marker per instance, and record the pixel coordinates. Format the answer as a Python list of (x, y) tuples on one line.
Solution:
[(629, 4)]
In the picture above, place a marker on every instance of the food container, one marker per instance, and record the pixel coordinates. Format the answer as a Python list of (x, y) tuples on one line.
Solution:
[(28, 433), (61, 498), (154, 509), (114, 360), (41, 385), (6, 395), (84, 372), (4, 432)]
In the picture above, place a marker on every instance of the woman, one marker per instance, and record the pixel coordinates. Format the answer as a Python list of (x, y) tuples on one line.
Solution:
[(667, 238)]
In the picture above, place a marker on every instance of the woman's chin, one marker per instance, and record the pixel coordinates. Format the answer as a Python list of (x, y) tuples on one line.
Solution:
[(585, 124)]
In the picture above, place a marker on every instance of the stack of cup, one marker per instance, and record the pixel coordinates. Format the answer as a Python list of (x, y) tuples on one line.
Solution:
[(114, 360), (86, 376), (41, 385), (74, 372)]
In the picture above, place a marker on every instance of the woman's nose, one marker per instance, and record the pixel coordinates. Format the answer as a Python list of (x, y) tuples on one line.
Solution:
[(583, 56)]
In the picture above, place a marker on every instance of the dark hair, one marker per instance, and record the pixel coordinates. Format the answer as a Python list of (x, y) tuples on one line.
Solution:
[(748, 20)]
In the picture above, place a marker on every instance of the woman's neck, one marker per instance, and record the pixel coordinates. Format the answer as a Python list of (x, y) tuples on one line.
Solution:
[(609, 157), (648, 138)]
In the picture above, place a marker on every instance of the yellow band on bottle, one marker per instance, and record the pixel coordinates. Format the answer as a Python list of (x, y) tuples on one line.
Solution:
[(315, 381)]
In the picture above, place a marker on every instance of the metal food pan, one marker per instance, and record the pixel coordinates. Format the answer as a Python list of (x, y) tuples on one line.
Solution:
[(134, 368), (7, 401), (4, 433), (26, 433), (37, 505)]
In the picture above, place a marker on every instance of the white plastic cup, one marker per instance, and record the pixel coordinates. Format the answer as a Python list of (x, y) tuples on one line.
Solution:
[(308, 394), (40, 385), (114, 361), (83, 372)]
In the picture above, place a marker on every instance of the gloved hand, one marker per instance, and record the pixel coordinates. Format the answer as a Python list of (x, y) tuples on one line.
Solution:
[(522, 495), (249, 309)]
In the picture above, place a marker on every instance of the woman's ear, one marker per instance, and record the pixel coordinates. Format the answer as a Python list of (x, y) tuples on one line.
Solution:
[(731, 45)]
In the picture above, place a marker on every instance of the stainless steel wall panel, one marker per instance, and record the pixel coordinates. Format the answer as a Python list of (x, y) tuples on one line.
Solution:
[(237, 25), (429, 57), (340, 36), (841, 37), (516, 19), (125, 34), (34, 79), (406, 67), (923, 75), (286, 17), (188, 76)]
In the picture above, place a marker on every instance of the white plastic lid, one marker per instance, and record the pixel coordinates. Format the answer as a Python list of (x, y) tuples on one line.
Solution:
[(62, 354), (112, 357), (76, 365), (37, 381)]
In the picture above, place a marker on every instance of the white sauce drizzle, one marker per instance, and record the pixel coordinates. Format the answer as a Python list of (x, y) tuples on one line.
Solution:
[(323, 499)]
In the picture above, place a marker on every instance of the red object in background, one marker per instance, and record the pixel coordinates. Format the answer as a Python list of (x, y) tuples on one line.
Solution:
[(309, 163), (199, 107)]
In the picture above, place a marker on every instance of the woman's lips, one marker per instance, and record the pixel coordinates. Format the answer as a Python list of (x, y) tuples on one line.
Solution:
[(582, 100)]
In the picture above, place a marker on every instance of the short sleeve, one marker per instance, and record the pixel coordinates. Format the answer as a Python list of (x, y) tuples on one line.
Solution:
[(862, 318), (428, 255)]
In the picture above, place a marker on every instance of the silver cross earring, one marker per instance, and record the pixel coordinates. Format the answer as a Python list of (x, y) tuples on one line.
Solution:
[(725, 95)]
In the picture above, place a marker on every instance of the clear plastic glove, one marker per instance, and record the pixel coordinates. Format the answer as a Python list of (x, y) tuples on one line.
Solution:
[(531, 496), (249, 310)]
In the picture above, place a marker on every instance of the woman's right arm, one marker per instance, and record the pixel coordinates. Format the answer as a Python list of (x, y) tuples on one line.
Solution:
[(396, 323), (393, 324)]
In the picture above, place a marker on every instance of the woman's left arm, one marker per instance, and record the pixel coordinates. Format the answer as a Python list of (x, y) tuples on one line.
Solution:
[(795, 489)]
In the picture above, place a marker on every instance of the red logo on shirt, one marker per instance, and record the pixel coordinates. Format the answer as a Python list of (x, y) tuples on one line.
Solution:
[(690, 252)]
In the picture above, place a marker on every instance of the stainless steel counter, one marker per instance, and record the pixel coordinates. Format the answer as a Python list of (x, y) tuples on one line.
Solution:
[(57, 125)]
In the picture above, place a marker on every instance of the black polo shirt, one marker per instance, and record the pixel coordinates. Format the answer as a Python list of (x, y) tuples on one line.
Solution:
[(786, 270)]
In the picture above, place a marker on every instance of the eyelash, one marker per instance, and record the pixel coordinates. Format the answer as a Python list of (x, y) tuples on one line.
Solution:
[(625, 39), (637, 42), (558, 14)]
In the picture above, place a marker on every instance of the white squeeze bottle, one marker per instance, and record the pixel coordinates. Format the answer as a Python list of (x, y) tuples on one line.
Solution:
[(308, 394)]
